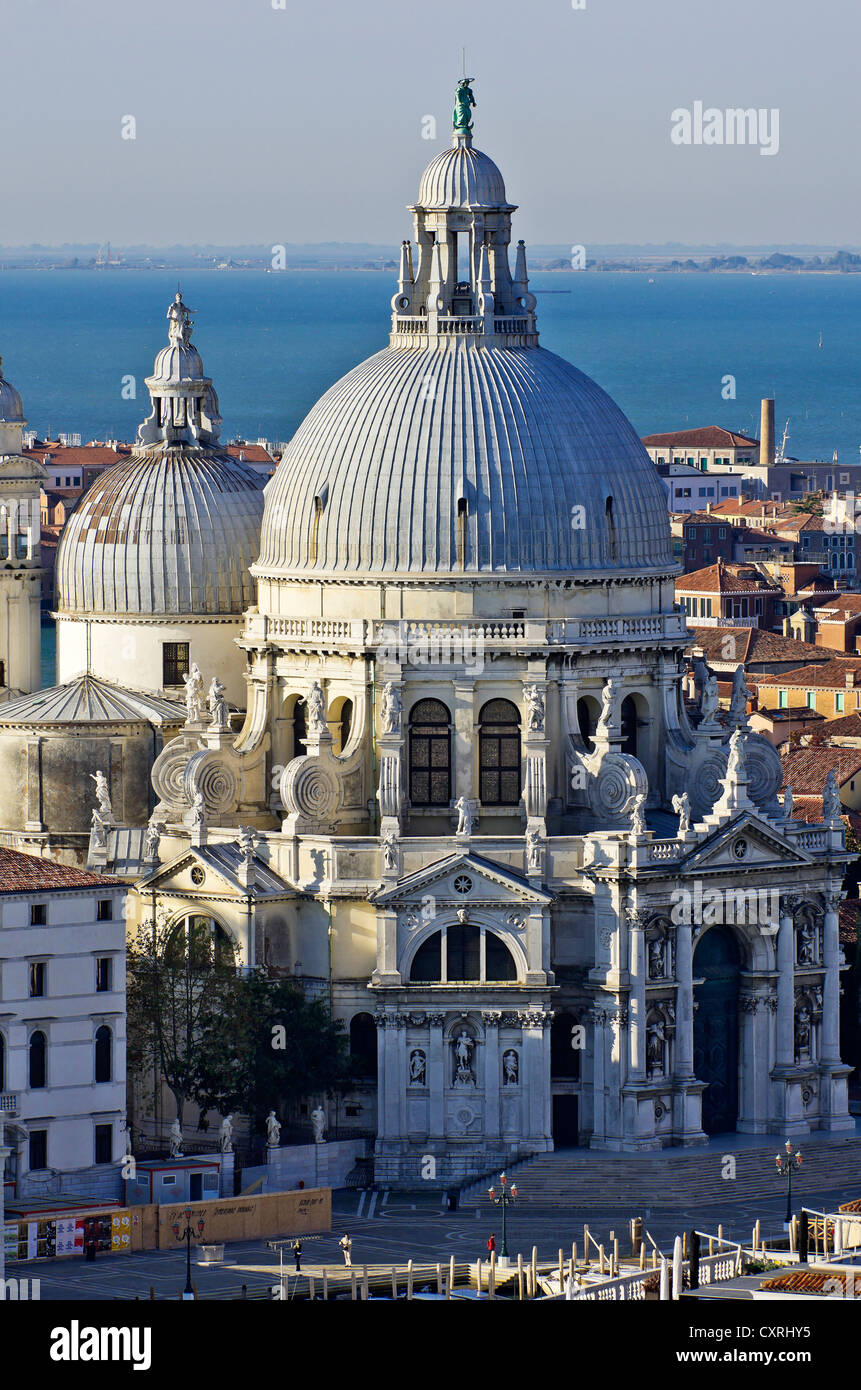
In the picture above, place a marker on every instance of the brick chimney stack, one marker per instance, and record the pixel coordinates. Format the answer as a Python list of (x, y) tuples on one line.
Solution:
[(766, 433)]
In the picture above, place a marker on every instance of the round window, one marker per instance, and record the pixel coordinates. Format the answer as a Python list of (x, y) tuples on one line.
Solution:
[(197, 875), (462, 884), (739, 849)]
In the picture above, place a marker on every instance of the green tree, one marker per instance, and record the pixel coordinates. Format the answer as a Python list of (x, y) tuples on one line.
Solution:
[(181, 977), (272, 1048)]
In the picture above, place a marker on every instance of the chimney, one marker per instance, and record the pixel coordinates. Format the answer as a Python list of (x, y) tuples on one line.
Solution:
[(766, 433)]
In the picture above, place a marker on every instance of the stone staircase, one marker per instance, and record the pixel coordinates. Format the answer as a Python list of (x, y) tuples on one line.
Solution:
[(577, 1179)]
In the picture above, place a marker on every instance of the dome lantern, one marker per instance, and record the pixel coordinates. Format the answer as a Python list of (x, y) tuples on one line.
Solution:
[(184, 403), (462, 285)]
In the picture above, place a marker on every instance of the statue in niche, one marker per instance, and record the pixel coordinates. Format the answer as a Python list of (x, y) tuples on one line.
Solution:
[(806, 942), (534, 708), (510, 1067), (463, 1046), (682, 807), (219, 715), (316, 710), (193, 682), (392, 708), (418, 1065), (802, 1036), (657, 958), (656, 1040)]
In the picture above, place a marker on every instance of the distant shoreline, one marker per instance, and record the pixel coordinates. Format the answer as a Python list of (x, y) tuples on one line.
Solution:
[(536, 268)]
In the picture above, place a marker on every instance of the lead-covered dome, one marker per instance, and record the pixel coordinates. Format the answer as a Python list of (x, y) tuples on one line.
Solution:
[(461, 178), (167, 532), (11, 405), (464, 459), (174, 528)]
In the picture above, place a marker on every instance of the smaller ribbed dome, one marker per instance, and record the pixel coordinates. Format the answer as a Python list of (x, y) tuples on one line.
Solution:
[(11, 405), (462, 178), (177, 362)]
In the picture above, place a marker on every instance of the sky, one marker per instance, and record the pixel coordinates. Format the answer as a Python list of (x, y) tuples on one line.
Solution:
[(306, 122)]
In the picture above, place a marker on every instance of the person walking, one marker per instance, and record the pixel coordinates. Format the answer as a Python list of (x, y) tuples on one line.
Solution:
[(347, 1246), (491, 1245), (297, 1255)]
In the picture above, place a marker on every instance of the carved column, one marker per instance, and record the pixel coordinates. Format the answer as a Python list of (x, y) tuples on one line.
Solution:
[(831, 988), (463, 742), (685, 1001), (785, 1052), (492, 1127), (637, 998), (597, 1018), (436, 1078)]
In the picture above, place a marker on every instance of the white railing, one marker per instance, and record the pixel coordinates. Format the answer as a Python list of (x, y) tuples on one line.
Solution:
[(813, 839), (8, 1102), (714, 1269), (665, 849)]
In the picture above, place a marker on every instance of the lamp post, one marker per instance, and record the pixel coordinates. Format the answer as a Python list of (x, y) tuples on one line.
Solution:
[(503, 1198), (187, 1235), (785, 1164)]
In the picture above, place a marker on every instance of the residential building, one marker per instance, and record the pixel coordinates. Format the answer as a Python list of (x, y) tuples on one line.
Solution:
[(831, 688), (62, 1027), (728, 595)]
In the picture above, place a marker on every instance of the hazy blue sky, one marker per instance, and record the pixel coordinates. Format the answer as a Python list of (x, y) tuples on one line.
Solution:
[(263, 125)]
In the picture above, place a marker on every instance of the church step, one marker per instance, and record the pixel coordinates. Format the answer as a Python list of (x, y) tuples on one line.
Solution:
[(570, 1179)]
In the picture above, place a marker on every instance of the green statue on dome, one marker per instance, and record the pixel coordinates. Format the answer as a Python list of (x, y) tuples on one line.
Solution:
[(463, 100)]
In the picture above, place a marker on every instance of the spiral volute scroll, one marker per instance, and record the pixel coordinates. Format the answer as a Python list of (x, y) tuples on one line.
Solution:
[(310, 789), (167, 778), (704, 784), (764, 771), (612, 788), (207, 772)]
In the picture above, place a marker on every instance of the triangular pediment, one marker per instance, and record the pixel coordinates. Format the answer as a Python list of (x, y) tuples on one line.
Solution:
[(748, 841), (458, 877), (219, 866)]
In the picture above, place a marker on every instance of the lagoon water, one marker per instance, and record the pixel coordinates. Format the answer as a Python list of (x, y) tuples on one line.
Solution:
[(273, 342)]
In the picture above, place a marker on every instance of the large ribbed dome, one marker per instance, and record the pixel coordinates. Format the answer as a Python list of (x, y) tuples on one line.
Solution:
[(170, 531), (461, 178), (546, 471)]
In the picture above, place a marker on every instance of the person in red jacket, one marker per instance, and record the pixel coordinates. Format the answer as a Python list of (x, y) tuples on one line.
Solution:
[(491, 1245)]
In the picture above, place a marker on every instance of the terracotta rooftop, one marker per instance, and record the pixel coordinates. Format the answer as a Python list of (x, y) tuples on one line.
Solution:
[(726, 577), (252, 453), (830, 675), (755, 644), (805, 769), (78, 456), (24, 873), (706, 437), (841, 609), (848, 726)]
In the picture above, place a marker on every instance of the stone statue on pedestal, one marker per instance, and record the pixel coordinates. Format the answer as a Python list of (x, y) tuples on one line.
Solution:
[(535, 708), (226, 1135), (176, 1139), (466, 816), (193, 694), (103, 795), (316, 710), (219, 714), (273, 1130), (682, 805), (463, 1048), (609, 703), (318, 1120), (831, 806), (510, 1067), (151, 840), (418, 1066), (98, 832), (392, 708)]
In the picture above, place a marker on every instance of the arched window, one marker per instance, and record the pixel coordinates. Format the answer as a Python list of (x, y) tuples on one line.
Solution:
[(629, 725), (38, 1068), (203, 941), (300, 727), (104, 1059), (430, 754), (588, 711), (499, 753), (340, 720), (346, 724), (455, 955), (363, 1046), (564, 1057)]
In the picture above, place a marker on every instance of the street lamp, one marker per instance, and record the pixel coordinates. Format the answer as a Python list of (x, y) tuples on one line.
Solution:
[(785, 1164), (187, 1235), (503, 1198)]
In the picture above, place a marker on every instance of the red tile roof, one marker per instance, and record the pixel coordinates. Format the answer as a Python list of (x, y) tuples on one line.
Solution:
[(726, 577), (705, 437), (805, 769), (253, 453), (848, 726), (830, 675), (78, 456), (843, 609), (755, 644), (24, 873)]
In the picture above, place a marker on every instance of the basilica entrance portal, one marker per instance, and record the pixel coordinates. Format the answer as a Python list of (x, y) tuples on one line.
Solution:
[(716, 963)]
